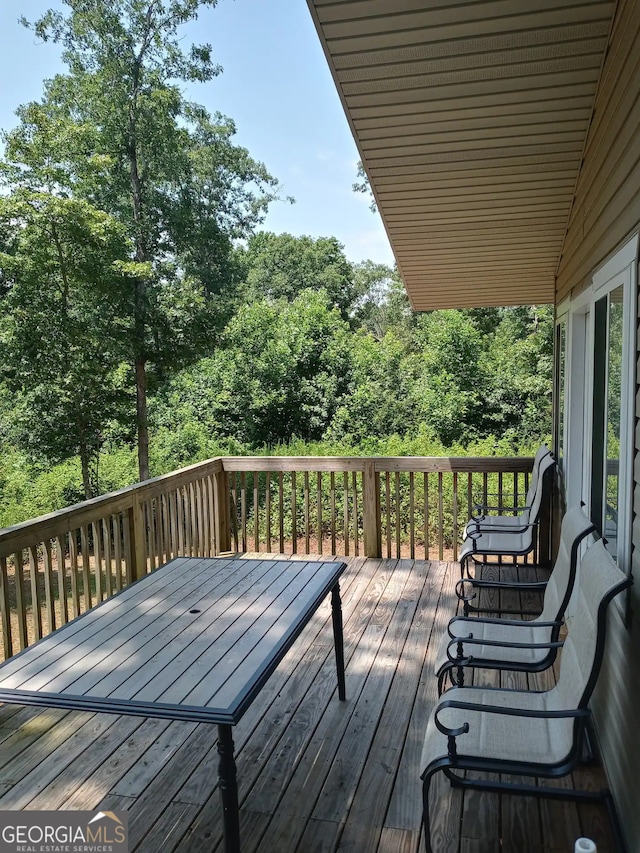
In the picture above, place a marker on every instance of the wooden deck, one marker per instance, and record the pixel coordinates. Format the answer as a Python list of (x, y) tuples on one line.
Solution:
[(314, 774)]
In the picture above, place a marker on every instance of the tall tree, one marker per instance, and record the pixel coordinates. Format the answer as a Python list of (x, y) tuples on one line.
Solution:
[(67, 284), (162, 166), (281, 266)]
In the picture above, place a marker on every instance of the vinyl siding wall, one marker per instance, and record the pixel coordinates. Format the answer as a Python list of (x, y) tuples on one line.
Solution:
[(606, 212)]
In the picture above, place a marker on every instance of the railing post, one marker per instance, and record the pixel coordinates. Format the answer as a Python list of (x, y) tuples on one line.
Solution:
[(138, 553), (371, 522), (221, 511)]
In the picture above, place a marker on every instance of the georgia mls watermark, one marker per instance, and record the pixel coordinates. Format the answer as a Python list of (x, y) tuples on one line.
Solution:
[(64, 832)]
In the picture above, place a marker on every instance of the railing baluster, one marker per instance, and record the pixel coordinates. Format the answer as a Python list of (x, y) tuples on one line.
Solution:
[(118, 523), (36, 608), (469, 494), (440, 518), (243, 509), (397, 484), (106, 535), (412, 522), (387, 499), (163, 509), (332, 487), (62, 581), (73, 563), (97, 551), (49, 595), (306, 512), (128, 541), (7, 632), (20, 602), (426, 515), (256, 512), (86, 576), (234, 512), (294, 514), (267, 502), (281, 509), (319, 509), (193, 520), (356, 539), (345, 492), (212, 545), (455, 515), (201, 490)]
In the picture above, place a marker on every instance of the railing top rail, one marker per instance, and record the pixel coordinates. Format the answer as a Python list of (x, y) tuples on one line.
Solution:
[(72, 517), (294, 463), (465, 464), (472, 464)]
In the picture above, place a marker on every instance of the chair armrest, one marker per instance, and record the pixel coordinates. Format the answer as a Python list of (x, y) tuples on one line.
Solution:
[(500, 709), (460, 590), (501, 507), (475, 534), (462, 660), (490, 620)]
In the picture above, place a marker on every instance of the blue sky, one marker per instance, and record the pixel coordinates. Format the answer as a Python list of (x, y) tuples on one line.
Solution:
[(276, 86)]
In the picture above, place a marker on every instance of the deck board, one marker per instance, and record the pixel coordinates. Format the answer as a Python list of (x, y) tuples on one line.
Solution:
[(315, 775)]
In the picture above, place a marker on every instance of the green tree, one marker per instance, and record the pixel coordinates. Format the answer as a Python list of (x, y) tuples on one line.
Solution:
[(162, 166), (382, 303), (379, 402), (518, 368), (281, 371), (280, 266), (449, 384), (67, 281)]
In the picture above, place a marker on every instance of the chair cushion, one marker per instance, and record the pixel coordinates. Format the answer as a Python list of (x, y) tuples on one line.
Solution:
[(497, 736)]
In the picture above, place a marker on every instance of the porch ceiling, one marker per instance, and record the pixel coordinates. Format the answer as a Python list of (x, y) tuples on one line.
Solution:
[(470, 118)]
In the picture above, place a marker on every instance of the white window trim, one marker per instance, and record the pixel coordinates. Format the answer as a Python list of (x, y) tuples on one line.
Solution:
[(621, 269)]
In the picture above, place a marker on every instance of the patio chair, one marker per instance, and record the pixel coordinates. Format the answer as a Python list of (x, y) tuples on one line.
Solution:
[(516, 517), (482, 543), (526, 733), (516, 644)]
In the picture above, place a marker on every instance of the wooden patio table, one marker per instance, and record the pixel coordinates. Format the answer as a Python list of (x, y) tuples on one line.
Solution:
[(194, 640)]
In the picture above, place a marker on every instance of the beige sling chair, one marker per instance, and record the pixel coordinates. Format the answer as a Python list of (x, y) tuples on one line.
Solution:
[(516, 644), (526, 733)]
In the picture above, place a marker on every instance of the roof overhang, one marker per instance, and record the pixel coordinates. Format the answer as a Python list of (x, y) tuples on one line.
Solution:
[(471, 119)]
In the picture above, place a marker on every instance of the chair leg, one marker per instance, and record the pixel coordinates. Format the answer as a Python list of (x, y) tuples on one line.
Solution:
[(426, 823)]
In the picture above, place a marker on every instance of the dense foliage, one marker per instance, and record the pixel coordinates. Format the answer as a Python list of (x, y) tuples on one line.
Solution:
[(292, 374)]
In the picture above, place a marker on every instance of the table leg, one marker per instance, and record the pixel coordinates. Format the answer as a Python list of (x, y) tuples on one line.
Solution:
[(338, 638), (228, 790)]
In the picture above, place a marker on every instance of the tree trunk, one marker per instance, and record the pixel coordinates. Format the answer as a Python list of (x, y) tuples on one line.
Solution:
[(141, 418), (86, 475)]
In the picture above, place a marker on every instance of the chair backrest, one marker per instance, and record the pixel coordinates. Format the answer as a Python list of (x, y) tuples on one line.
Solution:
[(599, 581), (541, 452), (546, 464), (575, 526)]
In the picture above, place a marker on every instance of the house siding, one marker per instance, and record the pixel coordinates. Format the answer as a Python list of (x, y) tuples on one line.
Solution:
[(605, 213)]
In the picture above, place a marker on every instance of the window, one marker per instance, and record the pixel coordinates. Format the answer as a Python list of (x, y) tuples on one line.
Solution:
[(606, 483), (613, 394), (595, 391)]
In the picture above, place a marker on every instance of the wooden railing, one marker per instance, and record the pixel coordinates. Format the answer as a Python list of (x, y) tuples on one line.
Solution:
[(55, 567)]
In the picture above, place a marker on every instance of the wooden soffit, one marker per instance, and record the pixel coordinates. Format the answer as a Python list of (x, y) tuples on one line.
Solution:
[(471, 119)]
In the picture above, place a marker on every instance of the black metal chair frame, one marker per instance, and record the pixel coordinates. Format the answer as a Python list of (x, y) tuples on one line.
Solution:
[(453, 761), (478, 583), (459, 661), (486, 522)]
